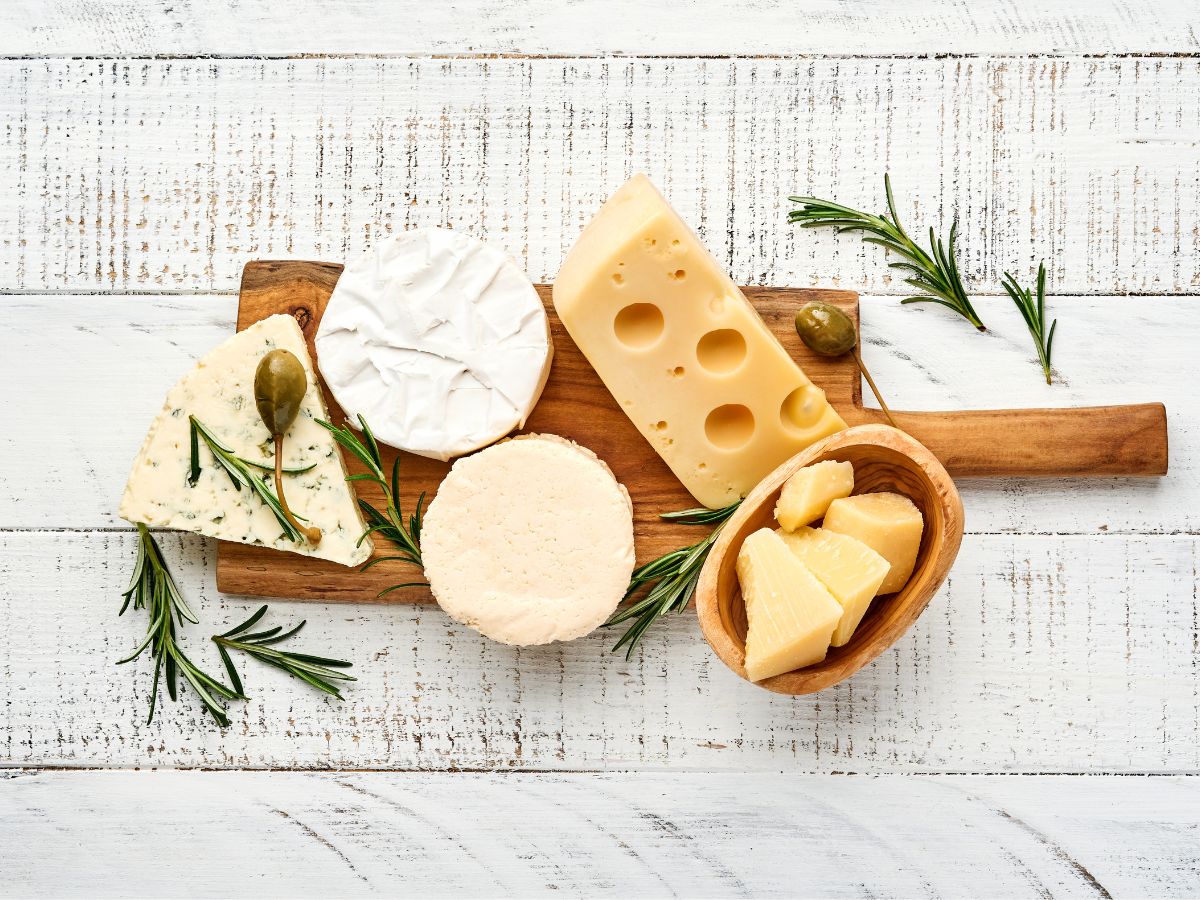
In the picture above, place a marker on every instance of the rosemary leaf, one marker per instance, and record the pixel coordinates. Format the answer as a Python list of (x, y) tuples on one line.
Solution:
[(387, 523), (934, 275), (239, 473), (1034, 314), (152, 588), (671, 579), (318, 671)]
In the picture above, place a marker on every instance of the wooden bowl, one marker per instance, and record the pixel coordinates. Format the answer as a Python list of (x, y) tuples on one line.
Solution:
[(884, 459)]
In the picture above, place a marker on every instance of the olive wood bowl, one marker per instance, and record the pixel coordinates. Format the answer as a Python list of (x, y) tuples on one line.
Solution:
[(884, 459)]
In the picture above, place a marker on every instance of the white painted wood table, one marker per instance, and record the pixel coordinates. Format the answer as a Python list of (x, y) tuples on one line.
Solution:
[(1037, 732)]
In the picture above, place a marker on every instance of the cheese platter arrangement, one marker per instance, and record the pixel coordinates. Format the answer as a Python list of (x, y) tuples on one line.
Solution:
[(427, 425)]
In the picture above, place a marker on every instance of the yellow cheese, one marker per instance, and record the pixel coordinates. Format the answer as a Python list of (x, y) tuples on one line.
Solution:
[(887, 523), (789, 613), (808, 493), (679, 346), (850, 569)]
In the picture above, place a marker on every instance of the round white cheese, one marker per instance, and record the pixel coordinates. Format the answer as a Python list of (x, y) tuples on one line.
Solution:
[(529, 541), (438, 340)]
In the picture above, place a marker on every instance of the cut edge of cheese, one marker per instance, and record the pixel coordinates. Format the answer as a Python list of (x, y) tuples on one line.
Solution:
[(219, 391), (888, 523), (683, 351), (808, 493), (850, 569), (529, 541), (790, 615)]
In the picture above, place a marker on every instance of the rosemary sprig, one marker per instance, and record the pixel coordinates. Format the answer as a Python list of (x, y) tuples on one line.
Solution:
[(318, 671), (671, 578), (1034, 314), (152, 588), (389, 522), (934, 274), (239, 473)]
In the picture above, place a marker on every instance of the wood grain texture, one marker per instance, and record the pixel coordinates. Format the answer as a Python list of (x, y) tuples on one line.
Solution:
[(261, 27), (133, 348), (1040, 654), (884, 459), (693, 835), (576, 405), (1065, 641), (168, 175)]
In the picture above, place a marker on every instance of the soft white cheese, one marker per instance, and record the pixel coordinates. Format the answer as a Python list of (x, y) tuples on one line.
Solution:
[(438, 340), (219, 391), (529, 541)]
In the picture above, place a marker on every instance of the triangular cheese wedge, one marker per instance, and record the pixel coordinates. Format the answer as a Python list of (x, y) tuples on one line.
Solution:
[(790, 616), (850, 569), (219, 392)]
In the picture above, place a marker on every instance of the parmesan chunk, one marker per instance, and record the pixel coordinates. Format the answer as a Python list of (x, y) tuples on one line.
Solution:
[(808, 493), (790, 615), (850, 569), (890, 524)]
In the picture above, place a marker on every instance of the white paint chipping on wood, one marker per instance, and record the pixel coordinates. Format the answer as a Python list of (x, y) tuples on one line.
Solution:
[(1063, 654), (168, 175), (695, 835), (1070, 646), (586, 27), (134, 348)]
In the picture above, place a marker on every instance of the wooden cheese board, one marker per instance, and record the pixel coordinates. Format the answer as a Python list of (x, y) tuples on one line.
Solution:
[(1108, 440)]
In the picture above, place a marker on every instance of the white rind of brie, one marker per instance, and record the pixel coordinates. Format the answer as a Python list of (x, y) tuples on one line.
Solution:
[(219, 392), (439, 341), (529, 541)]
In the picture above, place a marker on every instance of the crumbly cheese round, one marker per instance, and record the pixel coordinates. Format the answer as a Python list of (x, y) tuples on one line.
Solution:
[(438, 340), (529, 541)]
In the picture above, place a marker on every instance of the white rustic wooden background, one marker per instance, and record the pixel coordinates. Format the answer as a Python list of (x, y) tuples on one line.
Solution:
[(1037, 732)]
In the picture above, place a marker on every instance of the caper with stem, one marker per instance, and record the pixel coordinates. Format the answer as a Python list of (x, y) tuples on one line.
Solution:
[(828, 331), (280, 384)]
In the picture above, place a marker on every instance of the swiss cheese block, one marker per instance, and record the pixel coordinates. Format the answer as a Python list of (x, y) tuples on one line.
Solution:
[(438, 340), (529, 541), (890, 524), (683, 351), (790, 615), (808, 493), (219, 392), (850, 569)]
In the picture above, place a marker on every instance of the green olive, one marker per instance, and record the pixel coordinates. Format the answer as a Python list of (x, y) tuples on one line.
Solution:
[(825, 329), (279, 387)]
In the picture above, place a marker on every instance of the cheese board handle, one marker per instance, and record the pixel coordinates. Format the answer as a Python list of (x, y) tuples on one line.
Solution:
[(1097, 440)]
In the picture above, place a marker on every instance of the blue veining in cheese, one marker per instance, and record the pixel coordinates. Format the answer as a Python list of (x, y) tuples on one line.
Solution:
[(219, 391)]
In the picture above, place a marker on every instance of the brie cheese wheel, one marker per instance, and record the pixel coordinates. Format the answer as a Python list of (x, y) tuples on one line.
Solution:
[(219, 392), (439, 341), (529, 541)]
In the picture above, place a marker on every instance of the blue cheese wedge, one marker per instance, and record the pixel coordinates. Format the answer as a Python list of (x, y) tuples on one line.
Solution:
[(219, 392)]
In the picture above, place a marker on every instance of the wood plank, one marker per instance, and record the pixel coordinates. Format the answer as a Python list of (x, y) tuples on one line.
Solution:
[(263, 27), (133, 348), (1110, 440), (575, 405), (1040, 654), (168, 175), (632, 835)]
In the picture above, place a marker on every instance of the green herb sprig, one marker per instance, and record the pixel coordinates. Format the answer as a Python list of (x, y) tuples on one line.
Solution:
[(389, 522), (671, 579), (238, 470), (319, 671), (1034, 314), (152, 588), (935, 274)]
